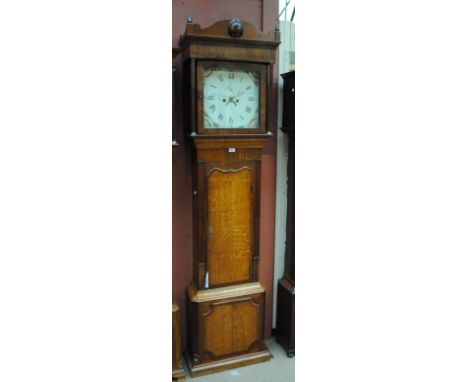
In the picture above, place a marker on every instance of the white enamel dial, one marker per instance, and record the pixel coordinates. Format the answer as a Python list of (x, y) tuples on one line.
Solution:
[(231, 98)]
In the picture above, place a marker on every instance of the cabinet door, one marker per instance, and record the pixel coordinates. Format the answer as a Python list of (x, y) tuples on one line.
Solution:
[(232, 326), (230, 221)]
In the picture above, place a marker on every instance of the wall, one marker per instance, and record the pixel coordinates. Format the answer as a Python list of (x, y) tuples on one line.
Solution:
[(263, 15)]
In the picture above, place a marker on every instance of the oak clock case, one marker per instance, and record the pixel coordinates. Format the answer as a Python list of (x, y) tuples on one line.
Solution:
[(227, 74)]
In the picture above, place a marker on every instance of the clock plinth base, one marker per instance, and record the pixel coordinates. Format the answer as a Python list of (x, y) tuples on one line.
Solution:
[(226, 364), (178, 375), (225, 328)]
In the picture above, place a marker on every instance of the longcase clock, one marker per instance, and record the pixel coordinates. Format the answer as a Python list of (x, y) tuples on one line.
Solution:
[(228, 70)]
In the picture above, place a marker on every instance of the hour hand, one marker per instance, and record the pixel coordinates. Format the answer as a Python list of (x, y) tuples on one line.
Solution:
[(231, 99)]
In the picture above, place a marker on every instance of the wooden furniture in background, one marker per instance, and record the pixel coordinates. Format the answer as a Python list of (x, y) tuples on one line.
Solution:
[(178, 373), (228, 71), (175, 51), (285, 328)]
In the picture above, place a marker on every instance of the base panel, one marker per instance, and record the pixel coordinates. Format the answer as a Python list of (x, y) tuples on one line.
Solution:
[(226, 364), (225, 328)]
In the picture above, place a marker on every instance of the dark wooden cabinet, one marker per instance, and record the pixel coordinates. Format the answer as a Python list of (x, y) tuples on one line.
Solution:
[(227, 78), (175, 51), (285, 327), (289, 96), (178, 373)]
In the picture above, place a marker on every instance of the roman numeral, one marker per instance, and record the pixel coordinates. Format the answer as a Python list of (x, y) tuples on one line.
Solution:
[(248, 109), (241, 117), (213, 108), (211, 98), (231, 121), (212, 86), (231, 76), (251, 98), (220, 77), (220, 117), (248, 87)]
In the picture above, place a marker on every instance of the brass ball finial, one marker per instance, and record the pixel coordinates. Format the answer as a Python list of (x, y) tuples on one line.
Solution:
[(235, 28)]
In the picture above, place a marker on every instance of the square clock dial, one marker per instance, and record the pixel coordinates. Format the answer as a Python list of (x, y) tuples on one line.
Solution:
[(231, 98)]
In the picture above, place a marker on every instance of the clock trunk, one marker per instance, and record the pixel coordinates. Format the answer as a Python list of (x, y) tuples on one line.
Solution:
[(226, 202)]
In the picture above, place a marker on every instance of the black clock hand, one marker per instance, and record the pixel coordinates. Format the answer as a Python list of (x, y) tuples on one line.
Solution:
[(231, 99)]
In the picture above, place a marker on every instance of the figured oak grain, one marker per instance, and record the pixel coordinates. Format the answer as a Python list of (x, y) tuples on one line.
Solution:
[(246, 329), (218, 330), (229, 226), (231, 327)]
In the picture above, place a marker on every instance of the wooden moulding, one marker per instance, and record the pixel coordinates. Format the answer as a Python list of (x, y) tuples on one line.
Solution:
[(204, 295), (218, 33), (226, 364), (225, 328), (216, 42), (248, 141)]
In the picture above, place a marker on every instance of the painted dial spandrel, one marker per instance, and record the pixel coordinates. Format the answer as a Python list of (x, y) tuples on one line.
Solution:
[(231, 98)]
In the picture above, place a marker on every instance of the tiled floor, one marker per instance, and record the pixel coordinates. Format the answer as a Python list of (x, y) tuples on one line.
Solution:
[(279, 369)]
